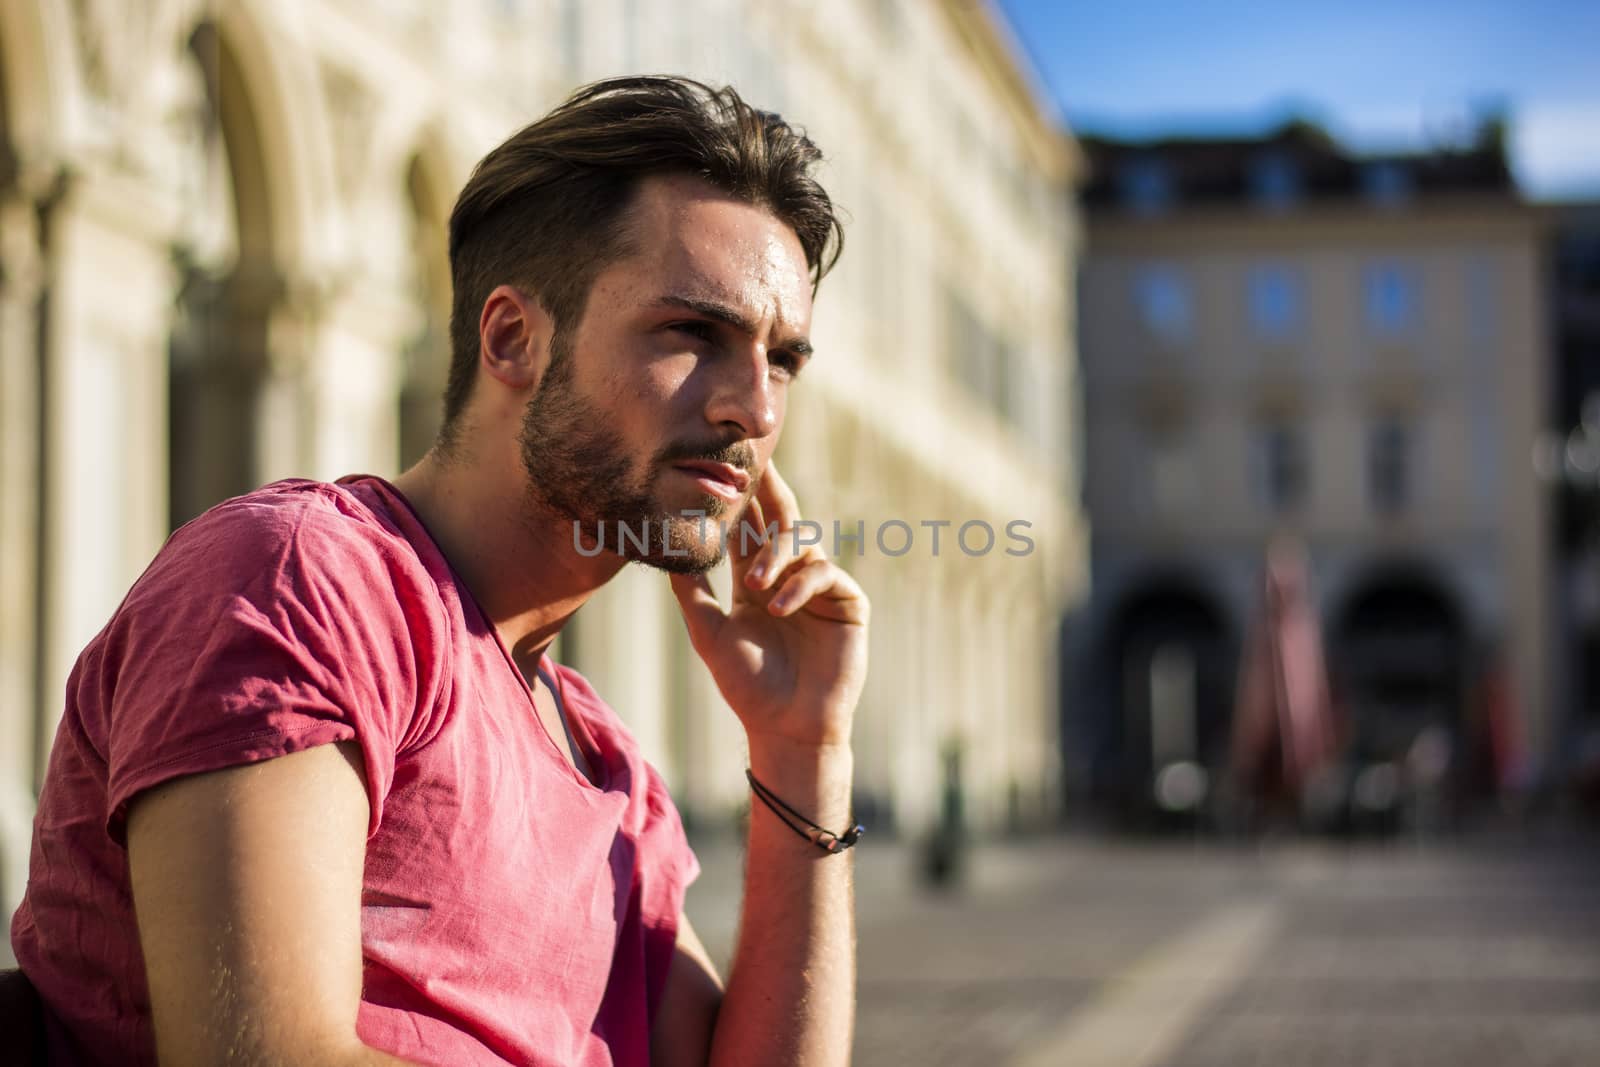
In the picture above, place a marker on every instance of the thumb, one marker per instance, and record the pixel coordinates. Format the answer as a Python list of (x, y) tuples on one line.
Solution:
[(702, 612)]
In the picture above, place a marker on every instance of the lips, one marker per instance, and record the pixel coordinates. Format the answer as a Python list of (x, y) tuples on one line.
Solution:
[(729, 479)]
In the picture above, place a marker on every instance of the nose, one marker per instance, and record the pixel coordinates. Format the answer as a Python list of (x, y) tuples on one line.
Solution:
[(743, 394)]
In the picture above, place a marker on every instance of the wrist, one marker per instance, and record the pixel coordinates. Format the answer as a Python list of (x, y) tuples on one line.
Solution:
[(812, 778), (799, 730), (795, 750)]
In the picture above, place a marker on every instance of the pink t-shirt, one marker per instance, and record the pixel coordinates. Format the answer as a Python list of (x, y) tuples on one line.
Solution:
[(511, 910)]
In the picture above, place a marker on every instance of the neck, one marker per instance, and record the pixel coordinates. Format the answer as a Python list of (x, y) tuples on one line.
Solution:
[(520, 564)]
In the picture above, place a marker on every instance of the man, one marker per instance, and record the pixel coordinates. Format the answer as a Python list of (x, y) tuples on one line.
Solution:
[(320, 797)]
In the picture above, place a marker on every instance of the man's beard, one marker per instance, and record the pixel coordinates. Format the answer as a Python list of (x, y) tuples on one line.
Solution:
[(580, 472)]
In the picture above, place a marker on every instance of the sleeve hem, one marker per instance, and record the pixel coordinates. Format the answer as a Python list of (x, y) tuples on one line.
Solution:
[(234, 752)]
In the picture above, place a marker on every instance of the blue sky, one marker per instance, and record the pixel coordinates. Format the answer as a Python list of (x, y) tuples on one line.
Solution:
[(1379, 75)]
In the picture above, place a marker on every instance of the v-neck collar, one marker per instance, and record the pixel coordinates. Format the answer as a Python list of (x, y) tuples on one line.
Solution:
[(572, 724)]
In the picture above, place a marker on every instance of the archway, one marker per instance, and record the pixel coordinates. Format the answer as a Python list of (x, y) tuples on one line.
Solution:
[(1169, 658), (1398, 652), (426, 359), (229, 286)]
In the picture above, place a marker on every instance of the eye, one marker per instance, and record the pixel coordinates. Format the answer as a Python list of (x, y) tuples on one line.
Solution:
[(695, 328), (786, 361)]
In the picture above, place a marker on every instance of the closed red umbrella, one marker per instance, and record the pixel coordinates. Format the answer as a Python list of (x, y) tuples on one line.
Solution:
[(1283, 718)]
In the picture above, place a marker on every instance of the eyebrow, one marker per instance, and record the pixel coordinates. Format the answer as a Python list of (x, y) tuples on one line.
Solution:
[(731, 316)]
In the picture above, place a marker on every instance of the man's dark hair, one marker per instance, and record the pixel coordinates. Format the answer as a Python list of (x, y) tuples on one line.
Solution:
[(544, 211)]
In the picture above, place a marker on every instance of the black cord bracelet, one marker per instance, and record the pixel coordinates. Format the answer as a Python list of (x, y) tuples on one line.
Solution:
[(826, 840)]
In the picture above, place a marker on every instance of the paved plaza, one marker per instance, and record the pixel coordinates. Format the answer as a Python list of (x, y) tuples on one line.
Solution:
[(1088, 953)]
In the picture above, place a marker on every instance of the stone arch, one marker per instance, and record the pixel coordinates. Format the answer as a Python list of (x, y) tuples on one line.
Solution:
[(230, 283), (1169, 654), (425, 361), (1400, 655), (248, 289), (291, 127), (39, 77)]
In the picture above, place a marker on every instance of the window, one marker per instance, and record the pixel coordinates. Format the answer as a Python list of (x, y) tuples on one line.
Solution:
[(1002, 380), (1162, 297), (572, 38), (630, 35), (968, 351), (1277, 302), (1483, 285), (1391, 294), (1145, 186), (890, 21), (1172, 478), (880, 255), (981, 358), (1386, 182), (1274, 180), (1280, 468), (1389, 463)]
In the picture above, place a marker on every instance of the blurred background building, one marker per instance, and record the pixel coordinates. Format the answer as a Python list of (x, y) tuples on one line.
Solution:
[(1335, 429), (1284, 339), (1570, 461), (222, 234)]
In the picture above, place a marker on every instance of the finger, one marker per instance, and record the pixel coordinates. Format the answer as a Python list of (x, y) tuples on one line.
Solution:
[(702, 612), (775, 559), (821, 588), (779, 555), (777, 499), (744, 541)]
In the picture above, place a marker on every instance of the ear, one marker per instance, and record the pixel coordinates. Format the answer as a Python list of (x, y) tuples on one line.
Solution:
[(514, 333)]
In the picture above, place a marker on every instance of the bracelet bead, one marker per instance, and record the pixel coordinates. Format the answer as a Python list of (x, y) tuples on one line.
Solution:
[(826, 840)]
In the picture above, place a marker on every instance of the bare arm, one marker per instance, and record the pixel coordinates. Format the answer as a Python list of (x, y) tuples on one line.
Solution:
[(687, 1015), (790, 657), (247, 887), (791, 990), (790, 998)]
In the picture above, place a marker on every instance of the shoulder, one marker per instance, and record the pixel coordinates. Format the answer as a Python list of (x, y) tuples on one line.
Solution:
[(287, 518), (289, 538), (275, 621), (296, 563)]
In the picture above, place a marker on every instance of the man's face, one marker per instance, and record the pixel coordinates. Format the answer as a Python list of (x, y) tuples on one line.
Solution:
[(668, 397)]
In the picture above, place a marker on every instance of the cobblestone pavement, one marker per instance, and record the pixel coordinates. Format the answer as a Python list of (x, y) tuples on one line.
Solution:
[(1081, 952)]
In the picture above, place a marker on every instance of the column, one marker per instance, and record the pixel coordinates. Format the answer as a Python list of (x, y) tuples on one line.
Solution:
[(21, 288), (105, 413), (344, 401), (623, 656)]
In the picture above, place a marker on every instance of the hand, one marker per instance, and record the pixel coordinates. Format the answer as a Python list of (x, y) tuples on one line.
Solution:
[(790, 655)]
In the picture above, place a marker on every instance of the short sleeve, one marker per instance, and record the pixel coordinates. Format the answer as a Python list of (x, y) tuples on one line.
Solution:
[(669, 844), (668, 866), (271, 624)]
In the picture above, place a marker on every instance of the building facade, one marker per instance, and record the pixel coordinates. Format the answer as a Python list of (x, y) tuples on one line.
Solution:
[(1281, 339), (1570, 462), (222, 237)]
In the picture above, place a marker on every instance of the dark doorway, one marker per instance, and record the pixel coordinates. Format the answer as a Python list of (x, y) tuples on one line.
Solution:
[(1168, 663), (1399, 660)]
